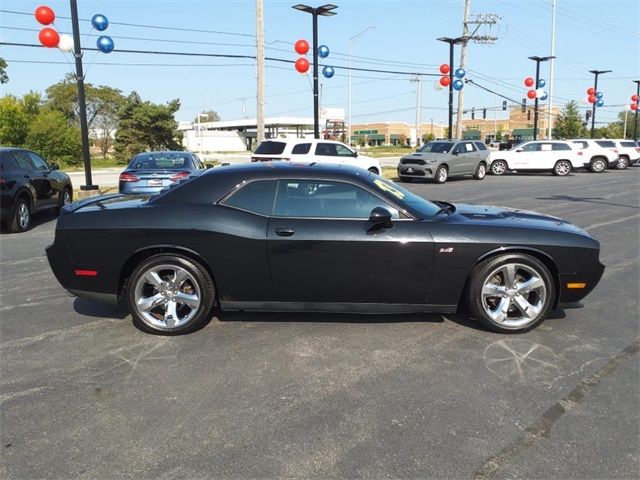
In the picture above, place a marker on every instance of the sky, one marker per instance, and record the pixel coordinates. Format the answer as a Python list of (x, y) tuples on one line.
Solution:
[(590, 34)]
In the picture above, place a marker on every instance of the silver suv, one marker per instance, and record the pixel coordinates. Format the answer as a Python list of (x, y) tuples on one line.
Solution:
[(441, 159)]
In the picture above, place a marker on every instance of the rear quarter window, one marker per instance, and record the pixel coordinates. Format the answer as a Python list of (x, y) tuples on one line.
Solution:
[(628, 144), (480, 145), (581, 144), (605, 143), (255, 197), (270, 148)]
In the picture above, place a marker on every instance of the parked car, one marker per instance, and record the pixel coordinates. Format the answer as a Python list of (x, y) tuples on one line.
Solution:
[(441, 159), (150, 172), (629, 152), (545, 155), (281, 236), (598, 155), (313, 150), (29, 184)]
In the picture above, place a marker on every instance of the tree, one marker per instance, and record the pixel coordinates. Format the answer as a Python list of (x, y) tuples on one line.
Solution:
[(4, 78), (146, 126), (51, 135), (14, 122), (428, 137), (208, 116), (31, 103), (569, 122)]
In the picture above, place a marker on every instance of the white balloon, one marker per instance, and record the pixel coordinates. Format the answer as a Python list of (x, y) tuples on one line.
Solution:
[(539, 92), (66, 43), (437, 85)]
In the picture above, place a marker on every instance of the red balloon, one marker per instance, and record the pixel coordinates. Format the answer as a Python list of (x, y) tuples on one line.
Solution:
[(49, 37), (528, 82), (531, 94), (591, 99), (302, 65), (445, 81), (591, 91), (634, 106), (634, 98), (301, 47), (44, 15), (444, 69)]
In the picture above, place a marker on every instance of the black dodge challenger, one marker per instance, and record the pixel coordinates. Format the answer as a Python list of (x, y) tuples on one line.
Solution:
[(287, 237)]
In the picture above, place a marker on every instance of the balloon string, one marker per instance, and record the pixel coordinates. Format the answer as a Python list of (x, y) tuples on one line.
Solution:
[(66, 60), (86, 37), (91, 63)]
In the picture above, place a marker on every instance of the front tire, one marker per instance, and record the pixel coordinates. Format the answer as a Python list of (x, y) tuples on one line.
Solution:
[(481, 171), (562, 168), (442, 173), (499, 167), (169, 294), (510, 293), (21, 218)]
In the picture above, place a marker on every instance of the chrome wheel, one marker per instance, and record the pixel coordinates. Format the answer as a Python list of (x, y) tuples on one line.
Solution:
[(24, 216), (66, 198), (623, 163), (514, 295), (481, 172), (441, 174), (562, 168), (167, 296), (498, 167), (598, 166)]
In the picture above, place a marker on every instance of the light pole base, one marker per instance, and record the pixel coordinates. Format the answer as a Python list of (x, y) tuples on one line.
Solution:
[(87, 191)]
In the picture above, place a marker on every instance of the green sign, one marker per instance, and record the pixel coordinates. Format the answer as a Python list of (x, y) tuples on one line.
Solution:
[(365, 132)]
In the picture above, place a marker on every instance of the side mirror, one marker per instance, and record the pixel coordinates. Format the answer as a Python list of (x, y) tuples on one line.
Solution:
[(380, 218), (55, 166), (355, 154), (455, 152)]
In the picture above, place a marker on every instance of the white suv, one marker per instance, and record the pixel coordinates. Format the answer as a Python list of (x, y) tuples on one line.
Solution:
[(313, 150), (629, 152), (542, 155), (598, 155)]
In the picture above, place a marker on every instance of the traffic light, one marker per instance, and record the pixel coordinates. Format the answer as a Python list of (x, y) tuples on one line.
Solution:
[(484, 113), (524, 105), (587, 115), (473, 113), (504, 105), (528, 115)]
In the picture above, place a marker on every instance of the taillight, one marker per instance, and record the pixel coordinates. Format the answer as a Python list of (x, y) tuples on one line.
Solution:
[(615, 150), (637, 149), (2, 180), (179, 176), (580, 153), (128, 177)]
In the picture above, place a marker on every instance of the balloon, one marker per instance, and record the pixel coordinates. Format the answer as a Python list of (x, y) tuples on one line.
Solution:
[(599, 103), (591, 99), (458, 84), (541, 83), (302, 65), (323, 51), (634, 106), (301, 47), (591, 91), (544, 96), (105, 44), (44, 15), (66, 43), (437, 85), (445, 81), (99, 22), (49, 37), (528, 82), (599, 95), (460, 73), (444, 69), (328, 71), (539, 92), (634, 98), (531, 94)]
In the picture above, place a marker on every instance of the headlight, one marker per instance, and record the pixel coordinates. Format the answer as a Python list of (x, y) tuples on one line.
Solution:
[(431, 161)]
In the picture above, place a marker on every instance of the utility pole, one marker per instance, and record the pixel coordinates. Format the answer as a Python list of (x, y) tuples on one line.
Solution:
[(417, 80), (84, 129), (451, 42), (535, 111), (593, 107), (551, 63), (260, 71), (479, 20)]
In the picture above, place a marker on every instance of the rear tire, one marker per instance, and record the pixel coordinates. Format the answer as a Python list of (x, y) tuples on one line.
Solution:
[(169, 294), (374, 170), (481, 171), (21, 218), (598, 165), (442, 173), (562, 168), (65, 199), (623, 163), (499, 167)]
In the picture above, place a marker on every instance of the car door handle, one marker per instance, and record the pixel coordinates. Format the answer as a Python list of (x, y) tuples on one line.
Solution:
[(285, 232)]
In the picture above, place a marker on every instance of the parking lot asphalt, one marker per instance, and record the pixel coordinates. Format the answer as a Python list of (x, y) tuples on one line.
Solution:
[(85, 395)]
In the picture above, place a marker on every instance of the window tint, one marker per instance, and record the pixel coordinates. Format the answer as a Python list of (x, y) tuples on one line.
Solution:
[(480, 145), (628, 144), (561, 146), (582, 144), (530, 147), (197, 162), (321, 199), (38, 162), (343, 151), (606, 143), (270, 147), (256, 197), (7, 162), (164, 161), (326, 149), (459, 148), (23, 160), (301, 149)]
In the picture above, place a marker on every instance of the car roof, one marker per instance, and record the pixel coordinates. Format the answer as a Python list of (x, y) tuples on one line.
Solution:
[(10, 149), (164, 152)]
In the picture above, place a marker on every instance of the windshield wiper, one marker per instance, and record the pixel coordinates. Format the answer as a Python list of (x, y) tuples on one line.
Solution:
[(445, 207)]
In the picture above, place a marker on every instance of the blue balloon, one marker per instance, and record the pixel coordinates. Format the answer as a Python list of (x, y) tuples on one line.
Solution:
[(599, 95), (541, 83), (328, 71), (323, 51), (599, 103), (458, 84), (99, 22), (544, 97), (105, 44), (460, 73)]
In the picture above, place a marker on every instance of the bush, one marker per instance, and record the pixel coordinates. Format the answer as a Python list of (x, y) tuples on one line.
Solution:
[(55, 139)]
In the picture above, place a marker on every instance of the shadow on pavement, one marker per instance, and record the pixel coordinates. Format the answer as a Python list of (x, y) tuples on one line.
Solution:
[(569, 198), (297, 317), (37, 219), (97, 309)]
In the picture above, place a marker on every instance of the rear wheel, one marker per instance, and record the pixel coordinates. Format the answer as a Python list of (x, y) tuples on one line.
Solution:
[(65, 198), (21, 219), (623, 163), (499, 167), (442, 173), (374, 170), (481, 171), (598, 165), (562, 168), (510, 293), (169, 294)]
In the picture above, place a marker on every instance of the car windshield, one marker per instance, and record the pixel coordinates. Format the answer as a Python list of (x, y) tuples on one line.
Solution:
[(436, 147), (424, 207), (163, 161)]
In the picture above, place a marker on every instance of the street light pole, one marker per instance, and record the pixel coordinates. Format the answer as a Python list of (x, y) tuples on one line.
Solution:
[(451, 42), (351, 40), (324, 11), (635, 121), (593, 106), (535, 109)]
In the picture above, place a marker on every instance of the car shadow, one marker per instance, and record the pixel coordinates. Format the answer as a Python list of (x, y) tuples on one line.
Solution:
[(305, 317), (37, 219), (464, 319), (97, 309), (569, 198)]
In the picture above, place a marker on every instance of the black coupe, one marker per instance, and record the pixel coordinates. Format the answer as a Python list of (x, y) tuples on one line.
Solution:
[(286, 237)]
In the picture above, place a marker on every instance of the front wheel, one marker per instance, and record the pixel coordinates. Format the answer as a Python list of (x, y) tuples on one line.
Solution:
[(481, 172), (170, 294), (441, 174), (499, 167), (510, 293), (562, 168)]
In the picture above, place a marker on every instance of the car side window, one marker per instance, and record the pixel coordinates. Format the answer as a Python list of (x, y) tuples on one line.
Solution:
[(530, 147), (327, 149), (459, 148), (23, 161), (301, 149), (561, 146), (469, 147), (255, 197), (325, 199), (343, 151), (546, 147), (480, 145), (197, 162), (38, 162)]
